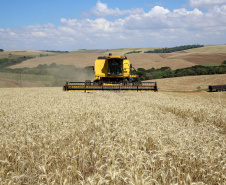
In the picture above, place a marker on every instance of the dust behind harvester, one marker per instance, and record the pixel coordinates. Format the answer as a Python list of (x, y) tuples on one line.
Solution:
[(112, 73)]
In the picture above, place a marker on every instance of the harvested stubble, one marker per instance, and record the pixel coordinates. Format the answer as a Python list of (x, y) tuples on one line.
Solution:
[(53, 137)]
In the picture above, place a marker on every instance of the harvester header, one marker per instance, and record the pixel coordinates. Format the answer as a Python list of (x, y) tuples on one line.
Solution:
[(112, 73)]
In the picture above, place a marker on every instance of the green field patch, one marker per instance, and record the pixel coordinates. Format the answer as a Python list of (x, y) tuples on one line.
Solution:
[(33, 78), (26, 77), (44, 75), (14, 56), (208, 64), (2, 84)]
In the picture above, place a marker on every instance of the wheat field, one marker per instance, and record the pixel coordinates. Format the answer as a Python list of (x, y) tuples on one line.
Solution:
[(189, 83), (48, 136)]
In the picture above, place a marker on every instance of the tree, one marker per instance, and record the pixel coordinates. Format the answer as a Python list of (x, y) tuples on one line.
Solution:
[(141, 69), (53, 65)]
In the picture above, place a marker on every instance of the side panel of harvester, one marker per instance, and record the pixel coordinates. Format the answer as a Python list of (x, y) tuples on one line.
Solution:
[(100, 68), (126, 68)]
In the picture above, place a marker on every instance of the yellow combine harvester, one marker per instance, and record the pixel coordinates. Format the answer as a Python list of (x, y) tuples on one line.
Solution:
[(112, 73)]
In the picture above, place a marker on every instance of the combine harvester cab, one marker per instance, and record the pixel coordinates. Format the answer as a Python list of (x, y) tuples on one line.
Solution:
[(112, 73)]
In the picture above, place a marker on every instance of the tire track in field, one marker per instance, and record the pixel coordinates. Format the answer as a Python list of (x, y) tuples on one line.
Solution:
[(9, 82), (199, 115)]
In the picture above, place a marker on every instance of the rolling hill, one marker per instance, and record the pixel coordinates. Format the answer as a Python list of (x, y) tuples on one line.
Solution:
[(207, 55), (190, 83)]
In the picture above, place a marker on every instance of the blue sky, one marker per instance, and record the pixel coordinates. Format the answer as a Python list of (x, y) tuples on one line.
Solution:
[(27, 12), (92, 24)]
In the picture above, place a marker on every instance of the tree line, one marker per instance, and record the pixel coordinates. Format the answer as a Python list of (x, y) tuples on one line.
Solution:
[(55, 51), (68, 71), (134, 52), (6, 62), (167, 72), (174, 49)]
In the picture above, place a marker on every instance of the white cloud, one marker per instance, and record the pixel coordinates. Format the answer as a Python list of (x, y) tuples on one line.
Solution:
[(102, 10), (69, 22), (67, 39), (157, 27), (205, 3), (12, 33), (157, 11), (39, 34), (219, 10), (66, 30), (157, 24), (160, 18), (184, 12)]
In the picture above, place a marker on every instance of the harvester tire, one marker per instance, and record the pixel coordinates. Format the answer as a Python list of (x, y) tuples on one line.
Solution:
[(125, 82), (87, 83), (96, 83)]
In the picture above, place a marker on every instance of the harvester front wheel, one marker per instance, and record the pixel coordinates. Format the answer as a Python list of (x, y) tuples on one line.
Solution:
[(87, 83), (96, 83), (125, 82)]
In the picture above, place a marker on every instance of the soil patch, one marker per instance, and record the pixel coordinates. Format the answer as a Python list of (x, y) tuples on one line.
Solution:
[(205, 58)]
